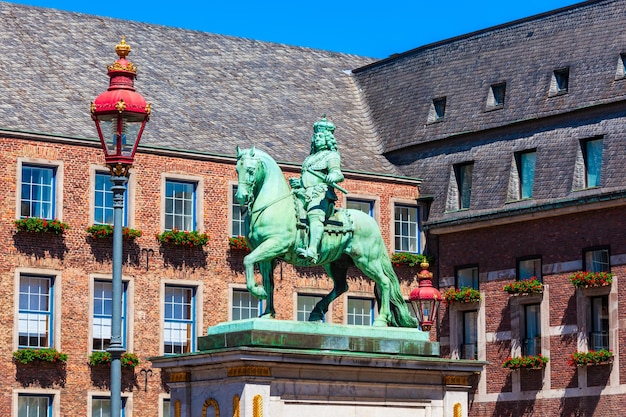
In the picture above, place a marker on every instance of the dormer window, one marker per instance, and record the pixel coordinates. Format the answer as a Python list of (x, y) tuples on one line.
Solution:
[(437, 110), (495, 100), (560, 82), (621, 66)]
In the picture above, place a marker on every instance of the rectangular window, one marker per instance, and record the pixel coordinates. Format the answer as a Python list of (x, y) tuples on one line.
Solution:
[(102, 314), (239, 225), (360, 311), (469, 348), (305, 306), (463, 174), (496, 96), (597, 260), (180, 205), (592, 156), (526, 170), (529, 268), (437, 110), (531, 343), (103, 200), (101, 407), (35, 312), (245, 305), (406, 222), (166, 407), (560, 81), (37, 192), (34, 405), (467, 277), (179, 315), (599, 335), (365, 206)]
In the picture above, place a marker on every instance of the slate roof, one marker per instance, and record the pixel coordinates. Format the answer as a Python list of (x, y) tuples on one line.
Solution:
[(588, 38), (209, 92)]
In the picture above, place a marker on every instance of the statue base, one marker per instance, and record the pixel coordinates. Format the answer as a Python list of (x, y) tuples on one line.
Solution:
[(264, 367)]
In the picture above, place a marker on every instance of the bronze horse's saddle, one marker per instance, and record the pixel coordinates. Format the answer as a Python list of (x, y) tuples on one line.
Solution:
[(339, 222)]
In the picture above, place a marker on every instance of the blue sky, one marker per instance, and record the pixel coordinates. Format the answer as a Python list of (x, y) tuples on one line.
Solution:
[(370, 28)]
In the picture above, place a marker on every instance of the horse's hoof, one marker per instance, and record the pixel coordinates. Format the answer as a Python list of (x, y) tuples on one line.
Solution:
[(267, 316), (317, 317), (259, 292)]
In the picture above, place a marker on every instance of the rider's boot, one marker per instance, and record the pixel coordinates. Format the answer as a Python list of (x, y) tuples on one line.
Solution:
[(316, 230)]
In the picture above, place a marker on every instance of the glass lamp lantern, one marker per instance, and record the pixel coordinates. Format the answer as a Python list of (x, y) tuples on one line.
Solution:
[(425, 299)]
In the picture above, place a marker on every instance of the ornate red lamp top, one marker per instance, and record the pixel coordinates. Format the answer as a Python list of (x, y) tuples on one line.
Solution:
[(120, 113), (425, 299)]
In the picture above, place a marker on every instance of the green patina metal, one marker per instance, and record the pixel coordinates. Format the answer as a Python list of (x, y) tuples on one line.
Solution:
[(261, 333), (302, 227)]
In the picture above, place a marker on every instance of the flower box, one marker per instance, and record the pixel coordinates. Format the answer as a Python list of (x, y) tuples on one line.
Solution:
[(526, 362), (593, 357), (103, 231), (524, 287), (128, 360), (39, 225), (463, 295), (408, 258), (183, 238), (587, 279), (29, 355), (238, 243)]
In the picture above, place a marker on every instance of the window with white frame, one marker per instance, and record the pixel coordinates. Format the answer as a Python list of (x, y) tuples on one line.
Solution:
[(36, 316), (239, 226), (306, 303), (469, 345), (165, 407), (180, 205), (531, 338), (406, 228), (366, 206), (467, 276), (37, 194), (529, 268), (101, 406), (102, 314), (34, 405), (598, 317), (244, 305), (592, 158), (179, 315), (103, 200), (597, 260), (360, 311)]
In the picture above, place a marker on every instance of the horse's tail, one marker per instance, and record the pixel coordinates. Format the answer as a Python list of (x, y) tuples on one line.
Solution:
[(400, 315)]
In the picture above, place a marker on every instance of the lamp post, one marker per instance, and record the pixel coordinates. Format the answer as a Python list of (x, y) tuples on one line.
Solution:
[(425, 299), (120, 115)]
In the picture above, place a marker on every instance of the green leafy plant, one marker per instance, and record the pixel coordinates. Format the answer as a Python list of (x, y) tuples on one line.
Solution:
[(526, 286), (239, 243), (128, 360), (39, 225), (42, 355), (593, 357), (463, 295), (584, 279), (525, 362), (102, 231), (183, 238), (410, 259)]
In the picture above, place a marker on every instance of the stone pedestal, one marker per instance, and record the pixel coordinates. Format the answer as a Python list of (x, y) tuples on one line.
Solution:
[(259, 367)]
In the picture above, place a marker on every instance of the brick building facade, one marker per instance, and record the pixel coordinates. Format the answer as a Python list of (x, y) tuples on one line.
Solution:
[(515, 131)]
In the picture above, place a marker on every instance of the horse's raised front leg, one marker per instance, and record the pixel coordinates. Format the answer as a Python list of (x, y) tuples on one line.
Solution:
[(267, 272), (266, 251), (337, 271)]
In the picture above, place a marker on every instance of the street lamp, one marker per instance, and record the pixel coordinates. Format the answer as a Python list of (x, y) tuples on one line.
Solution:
[(120, 115), (425, 299)]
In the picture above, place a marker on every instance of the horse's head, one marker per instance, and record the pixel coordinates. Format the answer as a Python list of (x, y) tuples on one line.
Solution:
[(249, 174)]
